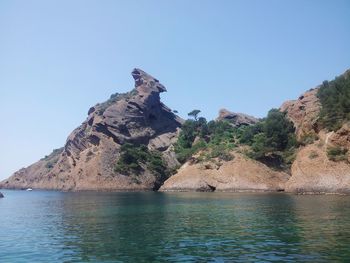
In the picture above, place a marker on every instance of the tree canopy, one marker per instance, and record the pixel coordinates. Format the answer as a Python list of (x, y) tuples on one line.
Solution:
[(335, 101)]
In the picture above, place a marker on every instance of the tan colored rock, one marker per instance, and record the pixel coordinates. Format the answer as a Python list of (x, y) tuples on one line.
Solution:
[(303, 112), (88, 158), (240, 174), (341, 137), (313, 172)]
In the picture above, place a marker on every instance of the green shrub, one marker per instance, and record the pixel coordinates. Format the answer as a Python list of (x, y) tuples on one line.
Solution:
[(211, 136), (313, 155), (246, 133), (335, 101), (135, 159), (308, 138), (272, 141), (337, 153), (52, 159)]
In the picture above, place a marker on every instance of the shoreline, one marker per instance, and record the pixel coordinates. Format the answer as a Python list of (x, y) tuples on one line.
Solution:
[(238, 191)]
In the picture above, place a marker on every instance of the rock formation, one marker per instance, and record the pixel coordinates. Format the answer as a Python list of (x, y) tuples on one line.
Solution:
[(87, 161), (240, 174), (304, 112), (311, 172), (1, 195), (88, 158), (236, 119)]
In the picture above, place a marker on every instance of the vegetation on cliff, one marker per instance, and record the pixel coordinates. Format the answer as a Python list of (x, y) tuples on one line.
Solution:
[(136, 158), (217, 137), (52, 159), (101, 107), (271, 140), (336, 153), (335, 100)]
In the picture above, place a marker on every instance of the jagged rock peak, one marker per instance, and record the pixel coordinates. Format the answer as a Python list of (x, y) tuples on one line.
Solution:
[(236, 119), (144, 80)]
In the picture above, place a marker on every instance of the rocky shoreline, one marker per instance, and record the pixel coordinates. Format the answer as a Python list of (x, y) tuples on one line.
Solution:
[(138, 119)]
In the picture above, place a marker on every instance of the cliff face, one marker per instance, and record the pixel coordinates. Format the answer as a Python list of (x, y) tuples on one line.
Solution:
[(88, 158), (313, 171), (239, 174), (304, 113)]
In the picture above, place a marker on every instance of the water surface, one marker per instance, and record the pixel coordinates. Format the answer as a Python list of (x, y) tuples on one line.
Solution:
[(42, 226)]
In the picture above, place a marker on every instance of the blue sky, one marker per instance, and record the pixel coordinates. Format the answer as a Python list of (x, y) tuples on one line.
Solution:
[(58, 58)]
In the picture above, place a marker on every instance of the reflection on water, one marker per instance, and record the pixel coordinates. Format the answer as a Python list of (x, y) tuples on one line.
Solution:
[(44, 226)]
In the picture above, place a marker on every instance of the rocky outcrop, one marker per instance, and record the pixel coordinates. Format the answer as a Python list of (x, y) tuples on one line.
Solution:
[(88, 158), (87, 161), (341, 137), (1, 195), (240, 174), (314, 172), (304, 112), (236, 119)]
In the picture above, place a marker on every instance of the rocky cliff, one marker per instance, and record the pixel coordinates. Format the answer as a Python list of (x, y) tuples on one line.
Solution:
[(87, 161), (238, 175), (218, 161), (304, 113), (315, 170), (321, 165)]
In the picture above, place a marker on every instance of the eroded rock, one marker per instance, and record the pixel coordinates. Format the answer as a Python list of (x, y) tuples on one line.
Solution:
[(304, 112), (236, 119), (240, 174), (88, 158)]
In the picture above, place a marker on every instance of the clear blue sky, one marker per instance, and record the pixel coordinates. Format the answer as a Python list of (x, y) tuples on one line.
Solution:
[(58, 58)]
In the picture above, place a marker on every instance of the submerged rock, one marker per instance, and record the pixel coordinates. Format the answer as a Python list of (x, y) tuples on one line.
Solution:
[(1, 195)]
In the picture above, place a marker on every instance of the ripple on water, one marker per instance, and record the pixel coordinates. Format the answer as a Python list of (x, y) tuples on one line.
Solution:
[(44, 226)]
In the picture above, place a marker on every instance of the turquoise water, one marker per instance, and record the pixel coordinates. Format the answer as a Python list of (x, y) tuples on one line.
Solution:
[(43, 226)]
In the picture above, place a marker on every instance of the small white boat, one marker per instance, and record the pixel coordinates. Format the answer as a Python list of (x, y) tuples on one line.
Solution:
[(29, 189)]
